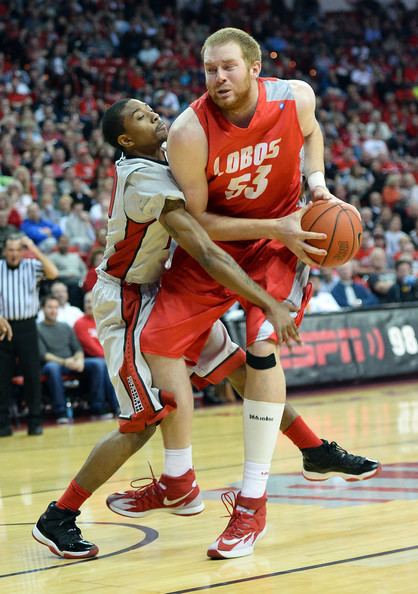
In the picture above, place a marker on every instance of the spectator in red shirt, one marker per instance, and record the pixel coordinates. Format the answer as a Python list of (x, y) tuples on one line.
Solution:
[(91, 276), (88, 103), (85, 330), (85, 167)]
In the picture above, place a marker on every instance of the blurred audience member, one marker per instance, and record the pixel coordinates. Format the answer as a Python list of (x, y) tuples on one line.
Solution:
[(321, 301), (329, 278), (48, 210), (42, 232), (414, 235), (72, 269), (391, 191), (62, 354), (348, 293), (64, 209), (379, 279), (362, 258), (81, 193), (66, 312), (5, 229), (406, 286), (85, 166), (99, 211), (393, 236), (96, 259), (79, 228)]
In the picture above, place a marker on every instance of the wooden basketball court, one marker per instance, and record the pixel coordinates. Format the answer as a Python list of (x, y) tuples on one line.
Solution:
[(329, 538)]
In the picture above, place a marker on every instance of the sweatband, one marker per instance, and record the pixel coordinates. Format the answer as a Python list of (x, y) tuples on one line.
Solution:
[(315, 179)]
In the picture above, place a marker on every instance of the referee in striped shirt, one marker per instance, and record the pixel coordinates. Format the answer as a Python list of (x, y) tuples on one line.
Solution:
[(19, 304)]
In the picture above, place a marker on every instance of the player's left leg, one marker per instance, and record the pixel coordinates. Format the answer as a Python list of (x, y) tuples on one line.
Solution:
[(264, 399), (321, 459)]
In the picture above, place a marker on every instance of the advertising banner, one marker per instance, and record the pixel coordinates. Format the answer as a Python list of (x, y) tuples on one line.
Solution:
[(352, 345)]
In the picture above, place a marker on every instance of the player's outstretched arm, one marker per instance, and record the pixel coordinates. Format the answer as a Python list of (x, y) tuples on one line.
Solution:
[(187, 232)]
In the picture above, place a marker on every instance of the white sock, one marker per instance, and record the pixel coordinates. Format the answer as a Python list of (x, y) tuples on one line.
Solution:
[(177, 462), (261, 429)]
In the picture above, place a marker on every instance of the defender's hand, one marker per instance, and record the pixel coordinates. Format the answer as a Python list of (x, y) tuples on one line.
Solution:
[(284, 325)]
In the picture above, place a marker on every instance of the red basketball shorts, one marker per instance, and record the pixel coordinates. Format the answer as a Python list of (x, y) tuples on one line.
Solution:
[(190, 301), (121, 312)]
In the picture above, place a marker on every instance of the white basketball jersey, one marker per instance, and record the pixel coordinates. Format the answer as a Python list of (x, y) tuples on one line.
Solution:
[(137, 244)]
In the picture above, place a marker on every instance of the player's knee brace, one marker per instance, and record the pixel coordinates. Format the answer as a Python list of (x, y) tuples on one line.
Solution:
[(264, 362)]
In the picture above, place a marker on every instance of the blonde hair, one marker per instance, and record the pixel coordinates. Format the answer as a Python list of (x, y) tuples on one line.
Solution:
[(250, 49), (22, 174)]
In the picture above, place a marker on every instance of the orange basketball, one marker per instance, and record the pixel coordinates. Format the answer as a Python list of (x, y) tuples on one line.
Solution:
[(342, 224)]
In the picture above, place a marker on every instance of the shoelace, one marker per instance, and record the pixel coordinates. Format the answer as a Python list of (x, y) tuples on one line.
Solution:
[(239, 522), (150, 489), (342, 452)]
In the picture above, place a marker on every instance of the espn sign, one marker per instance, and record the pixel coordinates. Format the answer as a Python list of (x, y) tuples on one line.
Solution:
[(344, 345), (352, 345)]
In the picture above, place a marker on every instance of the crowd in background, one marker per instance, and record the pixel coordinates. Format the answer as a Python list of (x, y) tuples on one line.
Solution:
[(63, 63)]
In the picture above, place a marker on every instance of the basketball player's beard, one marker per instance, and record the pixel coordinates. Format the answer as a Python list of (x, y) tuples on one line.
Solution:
[(242, 99)]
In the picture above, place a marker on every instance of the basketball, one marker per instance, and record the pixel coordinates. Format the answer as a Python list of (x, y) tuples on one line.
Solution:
[(342, 224)]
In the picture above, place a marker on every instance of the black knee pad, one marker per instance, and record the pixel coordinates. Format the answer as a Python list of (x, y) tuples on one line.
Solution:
[(266, 362)]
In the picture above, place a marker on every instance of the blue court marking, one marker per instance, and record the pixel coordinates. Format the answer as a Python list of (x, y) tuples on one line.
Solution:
[(395, 482), (150, 536), (295, 570)]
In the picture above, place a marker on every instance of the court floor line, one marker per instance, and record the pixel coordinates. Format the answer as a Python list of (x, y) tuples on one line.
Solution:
[(295, 570), (149, 536)]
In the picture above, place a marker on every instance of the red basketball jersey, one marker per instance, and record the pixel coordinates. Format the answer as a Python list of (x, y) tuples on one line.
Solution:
[(254, 172)]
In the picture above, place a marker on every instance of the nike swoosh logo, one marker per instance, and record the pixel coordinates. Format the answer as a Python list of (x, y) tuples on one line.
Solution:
[(174, 501)]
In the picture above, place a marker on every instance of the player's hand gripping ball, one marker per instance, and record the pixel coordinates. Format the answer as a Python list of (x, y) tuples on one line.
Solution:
[(342, 224)]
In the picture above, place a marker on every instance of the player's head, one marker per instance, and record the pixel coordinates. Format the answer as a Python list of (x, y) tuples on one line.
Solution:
[(232, 62), (133, 127)]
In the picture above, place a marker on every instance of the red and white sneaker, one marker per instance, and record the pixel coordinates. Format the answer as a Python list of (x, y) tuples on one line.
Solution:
[(244, 528), (177, 495)]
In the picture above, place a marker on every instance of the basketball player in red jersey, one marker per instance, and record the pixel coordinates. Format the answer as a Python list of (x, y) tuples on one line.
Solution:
[(147, 207), (238, 154)]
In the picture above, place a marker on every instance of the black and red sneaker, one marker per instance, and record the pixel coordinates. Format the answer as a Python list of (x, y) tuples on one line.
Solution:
[(57, 530), (330, 459)]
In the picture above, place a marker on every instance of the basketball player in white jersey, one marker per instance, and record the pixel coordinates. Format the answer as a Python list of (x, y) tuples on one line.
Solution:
[(145, 210)]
